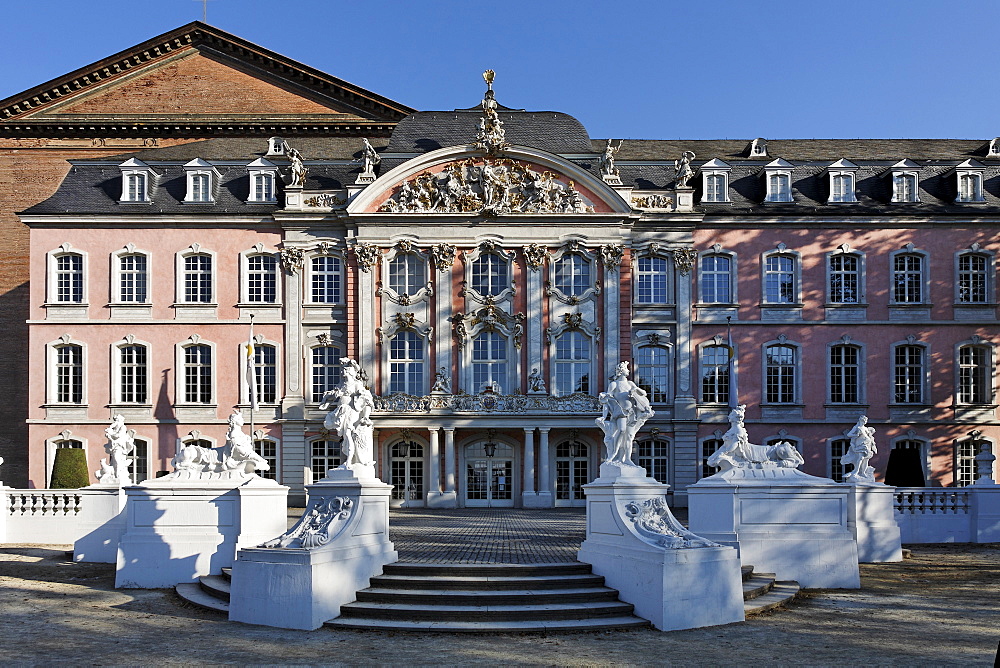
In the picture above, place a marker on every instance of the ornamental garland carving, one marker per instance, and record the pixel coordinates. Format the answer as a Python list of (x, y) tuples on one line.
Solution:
[(490, 186), (534, 255), (325, 201), (444, 256), (653, 202), (572, 321), (292, 259), (656, 525), (684, 259), (489, 318), (367, 255), (612, 255)]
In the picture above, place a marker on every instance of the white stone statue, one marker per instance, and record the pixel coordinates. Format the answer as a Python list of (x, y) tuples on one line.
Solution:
[(536, 384), (350, 407), (624, 409), (737, 452), (369, 158), (684, 171), (297, 168), (608, 159), (862, 449), (115, 467), (442, 384), (236, 460)]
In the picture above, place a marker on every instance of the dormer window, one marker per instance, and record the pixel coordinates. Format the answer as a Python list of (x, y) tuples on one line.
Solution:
[(905, 179), (758, 148), (136, 176), (994, 151), (263, 176), (275, 146), (778, 177), (970, 181), (202, 178), (842, 175), (715, 181)]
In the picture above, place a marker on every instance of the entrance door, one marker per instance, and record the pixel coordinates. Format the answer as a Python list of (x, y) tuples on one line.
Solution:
[(407, 466), (572, 472), (489, 481)]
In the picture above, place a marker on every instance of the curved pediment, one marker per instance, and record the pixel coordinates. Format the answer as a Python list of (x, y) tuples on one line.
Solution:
[(460, 180)]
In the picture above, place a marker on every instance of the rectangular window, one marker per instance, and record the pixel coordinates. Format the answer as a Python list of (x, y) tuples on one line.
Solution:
[(325, 456), (326, 279), (974, 375), (69, 279), (907, 279), (200, 188), (489, 361), (708, 448), (973, 279), (779, 189), (654, 456), (268, 449), (652, 372), (779, 280), (845, 372), (263, 187), (652, 281), (198, 279), (262, 285), (136, 187), (572, 364), (780, 381), (489, 274), (716, 279), (326, 371), (838, 448), (965, 462), (69, 375), (133, 375), (715, 188), (904, 188), (845, 279), (198, 374), (406, 274), (132, 279), (970, 188), (908, 375), (715, 374), (266, 373), (406, 364), (572, 275), (842, 188), (140, 464)]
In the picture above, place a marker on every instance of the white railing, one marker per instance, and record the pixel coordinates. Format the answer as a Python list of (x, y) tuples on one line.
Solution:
[(58, 516), (948, 514), (932, 501), (43, 502)]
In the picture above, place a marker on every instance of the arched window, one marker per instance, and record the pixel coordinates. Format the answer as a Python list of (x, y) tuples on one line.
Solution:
[(781, 371), (262, 279), (406, 363), (652, 372), (572, 471), (198, 278), (780, 280), (572, 274), (325, 371), (715, 374), (974, 277), (842, 188), (69, 374), (975, 381), (407, 470), (265, 362), (653, 454), (779, 188), (326, 278), (133, 374), (325, 456), (904, 187), (651, 281), (908, 278), (716, 279), (69, 278), (966, 450), (970, 187), (845, 374), (715, 188), (489, 362), (908, 465), (198, 374), (844, 275), (839, 448), (572, 363), (133, 278), (909, 372), (407, 274), (490, 274)]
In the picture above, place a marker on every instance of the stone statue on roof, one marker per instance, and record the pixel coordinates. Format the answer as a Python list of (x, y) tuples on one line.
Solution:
[(369, 159), (684, 171), (491, 133), (608, 159), (297, 166)]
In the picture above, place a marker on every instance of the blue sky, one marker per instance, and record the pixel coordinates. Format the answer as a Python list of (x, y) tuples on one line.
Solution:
[(666, 69)]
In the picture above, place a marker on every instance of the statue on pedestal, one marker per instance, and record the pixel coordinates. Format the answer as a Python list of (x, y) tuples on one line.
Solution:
[(115, 467), (442, 384), (236, 460), (624, 409), (350, 407), (684, 171), (862, 449), (737, 452), (297, 167), (607, 161), (536, 384)]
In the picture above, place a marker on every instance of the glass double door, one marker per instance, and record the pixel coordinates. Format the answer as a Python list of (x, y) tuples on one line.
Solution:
[(489, 480), (572, 472), (407, 475)]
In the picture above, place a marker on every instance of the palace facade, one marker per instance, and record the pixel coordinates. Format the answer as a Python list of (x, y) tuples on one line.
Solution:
[(489, 267)]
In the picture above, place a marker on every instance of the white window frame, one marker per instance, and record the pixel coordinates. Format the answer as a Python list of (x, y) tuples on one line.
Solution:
[(782, 252), (729, 367), (905, 169), (796, 370), (666, 459), (860, 372), (311, 275), (470, 258), (975, 173), (667, 276), (713, 441), (332, 442), (311, 366), (262, 168), (713, 253), (151, 445), (509, 381), (959, 459), (116, 372), (198, 168), (989, 275), (776, 168), (925, 376), (717, 172), (52, 371), (259, 341), (925, 260), (195, 249), (406, 251), (274, 473), (52, 264), (833, 460), (134, 167), (573, 249), (668, 365), (592, 386), (180, 377), (847, 172), (116, 275), (845, 251), (988, 370), (424, 360), (258, 250)]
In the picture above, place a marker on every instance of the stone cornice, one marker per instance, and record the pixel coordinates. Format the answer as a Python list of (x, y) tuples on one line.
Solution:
[(119, 127)]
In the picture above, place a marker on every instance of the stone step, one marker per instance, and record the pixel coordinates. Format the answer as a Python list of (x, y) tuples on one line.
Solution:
[(487, 598), (215, 585), (484, 613), (486, 582), (488, 570), (195, 595), (546, 626), (758, 585), (746, 572), (781, 593)]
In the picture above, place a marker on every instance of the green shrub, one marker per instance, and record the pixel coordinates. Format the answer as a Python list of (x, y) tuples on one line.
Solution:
[(69, 470)]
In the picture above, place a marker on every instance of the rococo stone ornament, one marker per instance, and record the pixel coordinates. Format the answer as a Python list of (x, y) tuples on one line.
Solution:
[(367, 254), (612, 255), (684, 259), (534, 255), (444, 256), (656, 525), (292, 259), (490, 186), (491, 133), (320, 523)]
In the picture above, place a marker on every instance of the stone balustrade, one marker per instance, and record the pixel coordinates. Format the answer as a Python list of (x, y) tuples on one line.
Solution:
[(486, 403)]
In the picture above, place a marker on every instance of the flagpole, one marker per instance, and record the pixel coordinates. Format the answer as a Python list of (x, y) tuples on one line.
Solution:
[(733, 400), (252, 367)]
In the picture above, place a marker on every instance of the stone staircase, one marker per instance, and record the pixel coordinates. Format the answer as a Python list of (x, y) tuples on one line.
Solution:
[(491, 597)]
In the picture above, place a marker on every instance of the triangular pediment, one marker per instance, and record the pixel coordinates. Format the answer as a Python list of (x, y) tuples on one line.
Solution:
[(906, 163), (199, 72), (779, 163)]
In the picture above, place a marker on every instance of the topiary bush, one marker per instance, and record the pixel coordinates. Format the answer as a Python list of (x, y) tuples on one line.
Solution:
[(69, 470)]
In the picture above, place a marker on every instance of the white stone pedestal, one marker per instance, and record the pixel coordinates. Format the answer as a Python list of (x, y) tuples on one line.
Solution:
[(673, 578), (177, 531), (104, 507), (322, 562), (984, 502), (871, 518), (782, 521)]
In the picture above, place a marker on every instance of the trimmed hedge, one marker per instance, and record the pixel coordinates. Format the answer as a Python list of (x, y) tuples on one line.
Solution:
[(69, 470)]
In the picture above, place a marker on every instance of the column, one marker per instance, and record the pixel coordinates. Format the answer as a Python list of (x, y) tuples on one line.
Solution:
[(435, 497), (449, 466), (612, 318), (529, 499), (544, 482), (534, 293), (442, 327), (365, 304), (685, 406)]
